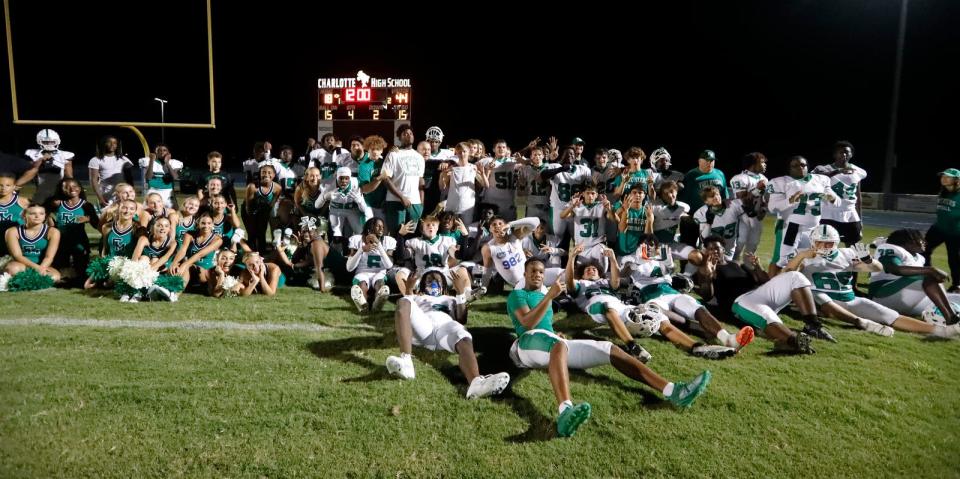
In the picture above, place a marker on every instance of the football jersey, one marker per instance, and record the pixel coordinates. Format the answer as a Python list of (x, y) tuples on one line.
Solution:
[(429, 304), (721, 223), (509, 259), (587, 290), (588, 222), (430, 253), (833, 274), (538, 192), (844, 186), (371, 261), (666, 220), (889, 254), (564, 183), (502, 179), (813, 189)]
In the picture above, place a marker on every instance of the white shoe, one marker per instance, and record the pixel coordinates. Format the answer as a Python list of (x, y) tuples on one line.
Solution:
[(314, 284), (876, 328), (359, 299), (476, 294), (711, 351), (483, 386), (400, 368), (941, 331), (382, 295)]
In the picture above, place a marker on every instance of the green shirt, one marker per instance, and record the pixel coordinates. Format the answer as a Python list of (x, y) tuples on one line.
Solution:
[(11, 213), (696, 180), (639, 176), (367, 170), (630, 239), (948, 213), (522, 297)]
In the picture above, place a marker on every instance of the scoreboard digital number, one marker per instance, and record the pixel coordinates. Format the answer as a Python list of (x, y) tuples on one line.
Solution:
[(363, 98)]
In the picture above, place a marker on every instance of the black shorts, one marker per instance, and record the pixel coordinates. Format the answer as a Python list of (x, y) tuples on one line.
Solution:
[(850, 233)]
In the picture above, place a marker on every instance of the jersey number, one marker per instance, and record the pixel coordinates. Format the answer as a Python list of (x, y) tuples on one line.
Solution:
[(591, 227), (802, 207)]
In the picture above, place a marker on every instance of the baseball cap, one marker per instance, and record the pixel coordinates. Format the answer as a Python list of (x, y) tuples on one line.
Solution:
[(708, 155), (951, 172), (577, 141)]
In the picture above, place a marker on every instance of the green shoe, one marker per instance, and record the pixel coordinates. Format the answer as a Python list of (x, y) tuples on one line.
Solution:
[(685, 393), (571, 418)]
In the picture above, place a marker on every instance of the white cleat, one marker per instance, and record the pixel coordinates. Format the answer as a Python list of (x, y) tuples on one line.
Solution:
[(359, 299), (401, 368), (947, 332), (490, 385), (378, 301), (876, 328), (476, 294)]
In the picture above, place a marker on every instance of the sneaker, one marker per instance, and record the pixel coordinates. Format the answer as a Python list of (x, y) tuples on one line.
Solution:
[(638, 352), (401, 368), (476, 294), (819, 333), (946, 331), (571, 418), (380, 299), (157, 293), (799, 344), (359, 299), (314, 284), (489, 385), (711, 351), (685, 393), (876, 328), (744, 337)]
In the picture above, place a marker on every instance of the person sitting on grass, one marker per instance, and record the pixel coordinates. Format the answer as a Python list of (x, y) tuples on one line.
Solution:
[(370, 258), (195, 256), (33, 244), (434, 320), (539, 347)]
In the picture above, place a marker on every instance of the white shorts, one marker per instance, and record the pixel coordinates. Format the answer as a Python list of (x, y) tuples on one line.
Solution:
[(435, 330), (681, 304), (681, 250), (164, 194), (559, 225), (370, 277), (339, 221), (532, 350), (748, 235), (759, 307), (794, 238), (911, 300), (862, 307)]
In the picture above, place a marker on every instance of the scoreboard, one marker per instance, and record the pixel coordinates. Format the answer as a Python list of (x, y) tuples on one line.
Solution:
[(362, 98)]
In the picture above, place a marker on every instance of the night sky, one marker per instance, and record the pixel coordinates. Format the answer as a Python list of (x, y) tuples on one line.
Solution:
[(783, 78)]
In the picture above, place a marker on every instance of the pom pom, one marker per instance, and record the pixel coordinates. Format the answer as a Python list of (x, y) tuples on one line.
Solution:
[(172, 283), (98, 270), (29, 280)]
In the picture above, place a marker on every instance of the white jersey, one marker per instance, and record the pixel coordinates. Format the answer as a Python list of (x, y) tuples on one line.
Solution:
[(371, 262), (442, 155), (670, 175), (747, 181), (503, 185), (531, 244), (667, 218), (844, 186), (462, 191), (538, 192), (645, 272), (723, 223), (429, 304), (588, 222), (563, 184), (251, 167), (508, 259), (777, 197), (328, 162), (587, 290), (405, 168), (431, 253), (832, 275), (52, 170), (813, 189), (889, 254), (283, 173), (347, 200)]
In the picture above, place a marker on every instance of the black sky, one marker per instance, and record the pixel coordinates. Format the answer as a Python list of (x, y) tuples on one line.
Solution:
[(783, 78)]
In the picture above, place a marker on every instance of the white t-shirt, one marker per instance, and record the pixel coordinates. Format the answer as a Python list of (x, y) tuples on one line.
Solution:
[(405, 168), (111, 171), (462, 190)]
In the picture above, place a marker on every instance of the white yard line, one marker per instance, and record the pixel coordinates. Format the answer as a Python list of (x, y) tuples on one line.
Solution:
[(145, 324)]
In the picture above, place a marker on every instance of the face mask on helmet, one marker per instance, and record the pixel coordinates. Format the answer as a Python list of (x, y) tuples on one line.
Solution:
[(823, 235), (434, 289), (48, 140), (434, 133), (825, 251)]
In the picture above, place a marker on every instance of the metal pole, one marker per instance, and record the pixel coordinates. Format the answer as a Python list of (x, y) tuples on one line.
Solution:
[(890, 159)]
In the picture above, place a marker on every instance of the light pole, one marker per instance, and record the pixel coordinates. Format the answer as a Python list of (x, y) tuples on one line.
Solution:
[(890, 159), (162, 132)]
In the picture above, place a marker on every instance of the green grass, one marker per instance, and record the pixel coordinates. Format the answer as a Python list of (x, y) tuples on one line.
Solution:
[(103, 402)]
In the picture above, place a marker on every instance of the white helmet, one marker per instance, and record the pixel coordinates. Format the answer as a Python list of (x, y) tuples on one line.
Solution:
[(48, 140), (659, 154), (826, 234), (615, 156), (434, 133), (934, 316), (644, 320)]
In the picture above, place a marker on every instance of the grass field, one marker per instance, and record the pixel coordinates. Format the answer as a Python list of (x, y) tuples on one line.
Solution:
[(81, 401)]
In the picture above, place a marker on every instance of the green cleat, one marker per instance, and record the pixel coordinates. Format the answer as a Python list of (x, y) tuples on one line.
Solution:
[(571, 418), (685, 393)]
